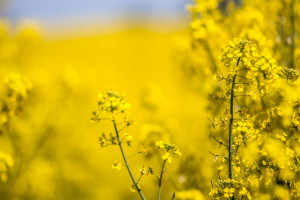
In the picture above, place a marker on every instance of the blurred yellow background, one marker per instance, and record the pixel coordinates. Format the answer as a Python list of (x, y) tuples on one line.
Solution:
[(54, 147), (57, 56)]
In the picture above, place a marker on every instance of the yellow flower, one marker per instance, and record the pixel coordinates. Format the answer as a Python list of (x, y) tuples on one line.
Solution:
[(133, 188), (228, 192), (243, 191), (213, 192), (166, 156), (112, 102), (167, 150), (117, 165), (6, 163)]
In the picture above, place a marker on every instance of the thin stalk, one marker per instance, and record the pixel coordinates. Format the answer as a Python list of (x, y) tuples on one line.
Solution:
[(231, 123), (126, 163), (230, 131), (160, 178), (292, 18), (133, 154), (173, 197), (230, 128)]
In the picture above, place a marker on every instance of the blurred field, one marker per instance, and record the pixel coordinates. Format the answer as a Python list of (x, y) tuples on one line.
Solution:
[(59, 156), (231, 104)]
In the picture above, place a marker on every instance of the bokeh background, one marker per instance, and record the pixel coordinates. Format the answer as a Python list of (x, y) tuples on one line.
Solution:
[(57, 56), (72, 50)]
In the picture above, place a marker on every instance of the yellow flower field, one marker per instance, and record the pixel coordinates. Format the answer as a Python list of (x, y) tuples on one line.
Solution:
[(209, 111)]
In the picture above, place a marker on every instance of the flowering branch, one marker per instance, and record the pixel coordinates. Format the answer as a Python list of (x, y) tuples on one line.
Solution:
[(230, 129), (160, 178), (167, 149), (231, 122), (126, 163)]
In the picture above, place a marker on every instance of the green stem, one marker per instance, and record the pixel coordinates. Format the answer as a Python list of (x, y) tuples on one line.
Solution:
[(126, 163), (133, 154), (292, 18), (173, 197), (230, 128), (230, 131), (160, 178), (231, 122)]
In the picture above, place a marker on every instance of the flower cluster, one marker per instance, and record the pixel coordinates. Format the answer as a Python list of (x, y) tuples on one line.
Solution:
[(261, 129), (271, 26), (227, 188), (243, 50), (111, 104), (265, 110), (168, 150), (14, 90), (6, 163), (189, 194), (113, 107)]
